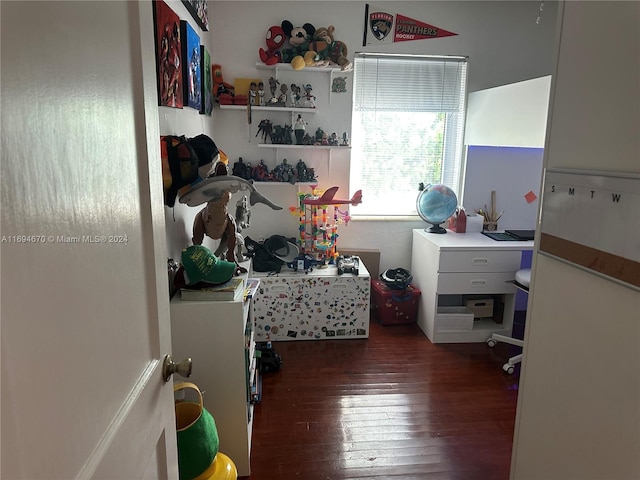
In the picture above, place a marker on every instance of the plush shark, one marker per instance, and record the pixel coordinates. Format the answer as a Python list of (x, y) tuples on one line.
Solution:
[(212, 188)]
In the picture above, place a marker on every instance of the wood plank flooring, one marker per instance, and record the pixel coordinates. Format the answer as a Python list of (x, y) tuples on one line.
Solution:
[(392, 406)]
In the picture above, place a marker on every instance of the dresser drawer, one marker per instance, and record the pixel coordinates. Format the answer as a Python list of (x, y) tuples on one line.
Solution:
[(480, 261), (473, 283)]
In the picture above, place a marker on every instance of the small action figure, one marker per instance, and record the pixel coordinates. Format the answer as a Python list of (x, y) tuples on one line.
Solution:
[(282, 99), (253, 93), (299, 128), (308, 99)]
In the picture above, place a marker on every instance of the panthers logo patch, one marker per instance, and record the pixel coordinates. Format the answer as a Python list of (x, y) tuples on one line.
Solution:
[(381, 24)]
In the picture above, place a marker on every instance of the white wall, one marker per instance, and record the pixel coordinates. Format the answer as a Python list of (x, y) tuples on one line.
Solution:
[(513, 172), (578, 413), (184, 121), (493, 113), (502, 40)]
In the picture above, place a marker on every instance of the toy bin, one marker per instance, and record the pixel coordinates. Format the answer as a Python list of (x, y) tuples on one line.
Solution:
[(394, 307)]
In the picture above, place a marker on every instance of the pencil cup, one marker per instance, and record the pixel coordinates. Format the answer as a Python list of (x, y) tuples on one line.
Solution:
[(490, 226)]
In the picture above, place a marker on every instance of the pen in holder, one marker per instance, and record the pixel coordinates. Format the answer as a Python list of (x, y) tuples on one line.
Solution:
[(491, 217)]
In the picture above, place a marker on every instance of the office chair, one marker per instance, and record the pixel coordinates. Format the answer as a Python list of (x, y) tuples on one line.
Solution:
[(522, 281)]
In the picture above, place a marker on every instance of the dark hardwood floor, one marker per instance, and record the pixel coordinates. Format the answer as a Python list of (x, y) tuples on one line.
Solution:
[(392, 406)]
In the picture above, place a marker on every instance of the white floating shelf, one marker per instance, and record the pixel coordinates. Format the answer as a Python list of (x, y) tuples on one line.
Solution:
[(306, 147), (284, 67), (269, 109)]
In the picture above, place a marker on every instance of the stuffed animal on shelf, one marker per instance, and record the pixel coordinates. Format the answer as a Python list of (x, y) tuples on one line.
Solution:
[(275, 38), (220, 87), (327, 50), (299, 38)]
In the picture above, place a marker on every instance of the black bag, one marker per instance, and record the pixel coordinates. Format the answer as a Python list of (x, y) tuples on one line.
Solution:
[(262, 259), (205, 149), (179, 166)]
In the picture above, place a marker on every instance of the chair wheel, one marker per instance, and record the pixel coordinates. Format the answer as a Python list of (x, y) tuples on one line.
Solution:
[(508, 368), (491, 342)]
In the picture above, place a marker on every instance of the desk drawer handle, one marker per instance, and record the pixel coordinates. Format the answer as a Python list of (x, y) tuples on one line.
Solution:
[(480, 261), (478, 283)]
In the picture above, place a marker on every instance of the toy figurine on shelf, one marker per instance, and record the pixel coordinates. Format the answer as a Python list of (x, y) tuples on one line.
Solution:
[(345, 139), (273, 85), (265, 127), (284, 173), (282, 99), (253, 94), (260, 95), (299, 128), (333, 139), (294, 95), (282, 134), (308, 99), (260, 172), (304, 173)]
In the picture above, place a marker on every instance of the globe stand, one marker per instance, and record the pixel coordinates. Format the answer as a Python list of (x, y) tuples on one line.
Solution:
[(435, 228), (435, 205)]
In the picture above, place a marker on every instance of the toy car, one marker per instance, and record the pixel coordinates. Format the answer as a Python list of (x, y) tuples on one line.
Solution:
[(348, 264), (304, 263)]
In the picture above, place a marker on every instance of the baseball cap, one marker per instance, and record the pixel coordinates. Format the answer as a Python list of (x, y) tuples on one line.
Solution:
[(282, 248), (201, 265)]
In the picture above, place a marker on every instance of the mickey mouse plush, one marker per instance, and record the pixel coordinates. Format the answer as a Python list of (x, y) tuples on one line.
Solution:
[(275, 39), (299, 38)]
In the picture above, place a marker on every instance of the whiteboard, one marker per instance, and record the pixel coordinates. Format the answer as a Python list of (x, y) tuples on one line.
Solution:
[(592, 219)]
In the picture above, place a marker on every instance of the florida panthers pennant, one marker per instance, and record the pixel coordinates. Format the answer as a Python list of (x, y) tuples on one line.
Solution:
[(381, 27)]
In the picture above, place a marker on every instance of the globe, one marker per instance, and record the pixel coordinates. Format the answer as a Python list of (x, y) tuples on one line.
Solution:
[(435, 204)]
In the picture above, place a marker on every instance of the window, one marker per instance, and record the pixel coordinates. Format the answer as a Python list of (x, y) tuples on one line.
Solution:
[(407, 128)]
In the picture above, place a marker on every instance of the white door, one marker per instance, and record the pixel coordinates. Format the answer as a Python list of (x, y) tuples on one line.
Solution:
[(85, 322)]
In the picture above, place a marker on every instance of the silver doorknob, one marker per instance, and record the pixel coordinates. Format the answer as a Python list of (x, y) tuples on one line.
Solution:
[(182, 368)]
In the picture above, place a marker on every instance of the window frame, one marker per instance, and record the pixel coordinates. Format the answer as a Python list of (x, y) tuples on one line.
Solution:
[(453, 104)]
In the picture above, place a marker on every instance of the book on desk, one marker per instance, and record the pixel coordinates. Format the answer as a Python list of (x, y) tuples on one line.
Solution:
[(230, 291)]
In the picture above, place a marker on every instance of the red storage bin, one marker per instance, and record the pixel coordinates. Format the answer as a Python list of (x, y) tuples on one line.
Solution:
[(394, 307)]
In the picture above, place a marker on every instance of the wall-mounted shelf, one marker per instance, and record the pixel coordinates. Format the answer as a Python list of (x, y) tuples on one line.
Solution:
[(269, 109), (305, 147), (280, 184), (286, 67)]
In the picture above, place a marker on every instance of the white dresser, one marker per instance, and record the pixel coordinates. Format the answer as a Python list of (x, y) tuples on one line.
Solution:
[(451, 268), (218, 337), (319, 305)]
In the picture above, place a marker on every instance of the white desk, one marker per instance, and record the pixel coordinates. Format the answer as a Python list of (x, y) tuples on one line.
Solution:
[(446, 267)]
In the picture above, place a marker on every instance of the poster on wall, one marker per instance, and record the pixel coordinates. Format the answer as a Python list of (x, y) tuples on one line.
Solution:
[(168, 56), (382, 26), (199, 11), (191, 66), (206, 82)]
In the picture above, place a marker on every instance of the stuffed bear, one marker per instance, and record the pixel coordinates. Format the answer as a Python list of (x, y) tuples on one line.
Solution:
[(299, 38), (326, 50)]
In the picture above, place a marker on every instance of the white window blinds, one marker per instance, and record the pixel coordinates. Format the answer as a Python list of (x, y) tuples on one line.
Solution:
[(408, 125)]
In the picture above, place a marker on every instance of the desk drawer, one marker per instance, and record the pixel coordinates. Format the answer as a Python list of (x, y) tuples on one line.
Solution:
[(480, 261), (474, 283)]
